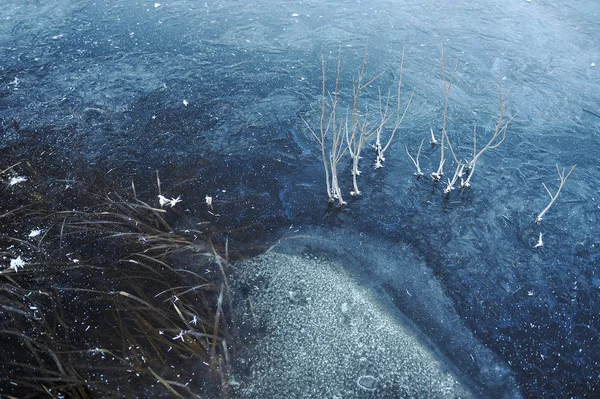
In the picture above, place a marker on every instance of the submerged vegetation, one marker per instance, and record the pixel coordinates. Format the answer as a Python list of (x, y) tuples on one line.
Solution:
[(102, 296)]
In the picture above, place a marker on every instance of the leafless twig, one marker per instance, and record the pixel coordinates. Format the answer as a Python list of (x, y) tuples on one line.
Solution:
[(563, 178)]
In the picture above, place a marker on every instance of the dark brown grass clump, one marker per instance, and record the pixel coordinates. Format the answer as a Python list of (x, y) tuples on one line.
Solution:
[(111, 301)]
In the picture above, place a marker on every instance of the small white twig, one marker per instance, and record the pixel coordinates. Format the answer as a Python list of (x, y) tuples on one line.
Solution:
[(563, 178), (419, 173), (497, 138), (433, 139), (540, 243), (457, 174), (437, 176), (385, 117)]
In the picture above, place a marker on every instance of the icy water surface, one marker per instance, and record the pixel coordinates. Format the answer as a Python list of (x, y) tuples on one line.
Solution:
[(212, 92)]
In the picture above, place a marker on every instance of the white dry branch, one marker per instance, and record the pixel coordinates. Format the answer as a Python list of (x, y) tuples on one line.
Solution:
[(433, 139), (329, 123), (563, 178), (359, 130), (415, 160), (458, 173), (338, 149), (437, 175), (496, 139), (385, 117), (337, 134), (540, 242)]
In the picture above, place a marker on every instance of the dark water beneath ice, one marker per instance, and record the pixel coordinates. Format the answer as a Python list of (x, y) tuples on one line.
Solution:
[(102, 85)]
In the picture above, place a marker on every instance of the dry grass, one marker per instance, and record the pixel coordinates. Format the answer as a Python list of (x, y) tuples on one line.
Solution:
[(110, 301)]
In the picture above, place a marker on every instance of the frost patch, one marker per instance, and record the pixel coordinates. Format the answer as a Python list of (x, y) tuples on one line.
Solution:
[(15, 264), (34, 233), (16, 180)]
